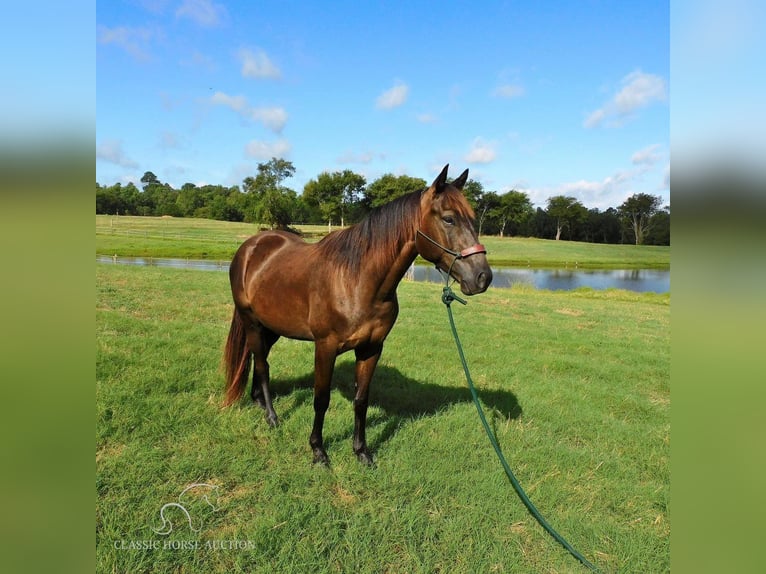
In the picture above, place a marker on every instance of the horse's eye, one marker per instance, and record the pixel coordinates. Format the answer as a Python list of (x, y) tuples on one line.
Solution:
[(448, 219)]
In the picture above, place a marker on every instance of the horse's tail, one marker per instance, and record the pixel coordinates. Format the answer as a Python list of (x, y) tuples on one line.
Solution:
[(236, 360)]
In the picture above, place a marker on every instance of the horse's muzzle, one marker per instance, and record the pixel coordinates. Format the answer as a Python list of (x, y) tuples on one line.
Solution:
[(477, 284)]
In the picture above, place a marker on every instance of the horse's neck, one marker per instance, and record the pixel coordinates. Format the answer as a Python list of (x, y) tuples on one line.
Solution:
[(391, 272)]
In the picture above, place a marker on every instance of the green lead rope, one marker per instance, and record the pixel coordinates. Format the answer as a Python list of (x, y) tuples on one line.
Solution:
[(447, 297)]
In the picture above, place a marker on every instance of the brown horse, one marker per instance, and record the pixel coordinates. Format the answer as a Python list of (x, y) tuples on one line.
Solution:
[(341, 293)]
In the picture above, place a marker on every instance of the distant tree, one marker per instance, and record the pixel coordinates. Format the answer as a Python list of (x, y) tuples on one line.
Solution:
[(565, 210), (514, 207), (659, 228), (278, 207), (602, 226), (190, 199), (637, 212), (148, 178), (270, 175), (336, 194), (107, 201), (269, 201), (389, 186), (473, 190), (487, 204)]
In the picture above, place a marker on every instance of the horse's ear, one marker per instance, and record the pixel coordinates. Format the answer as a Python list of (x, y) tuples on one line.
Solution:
[(440, 181), (460, 182)]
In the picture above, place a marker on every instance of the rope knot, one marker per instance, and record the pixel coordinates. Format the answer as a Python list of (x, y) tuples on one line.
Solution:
[(448, 296)]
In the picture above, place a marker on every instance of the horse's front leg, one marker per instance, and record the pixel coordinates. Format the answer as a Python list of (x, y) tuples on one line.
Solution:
[(324, 364), (366, 361)]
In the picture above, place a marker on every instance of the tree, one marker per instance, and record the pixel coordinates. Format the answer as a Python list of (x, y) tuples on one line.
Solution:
[(336, 194), (659, 228), (637, 212), (602, 226), (190, 199), (488, 203), (473, 190), (389, 186), (148, 178), (565, 210), (269, 201), (513, 207), (278, 207), (270, 175)]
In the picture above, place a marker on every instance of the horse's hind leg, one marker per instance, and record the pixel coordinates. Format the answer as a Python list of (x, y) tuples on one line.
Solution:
[(260, 340)]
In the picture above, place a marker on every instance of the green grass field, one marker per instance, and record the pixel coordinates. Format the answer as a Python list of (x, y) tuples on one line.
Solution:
[(129, 236), (576, 386)]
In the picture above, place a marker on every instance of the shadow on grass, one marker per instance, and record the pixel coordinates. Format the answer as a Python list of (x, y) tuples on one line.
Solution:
[(401, 398)]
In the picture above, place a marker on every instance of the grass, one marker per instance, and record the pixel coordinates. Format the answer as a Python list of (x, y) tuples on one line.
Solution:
[(130, 236), (576, 386)]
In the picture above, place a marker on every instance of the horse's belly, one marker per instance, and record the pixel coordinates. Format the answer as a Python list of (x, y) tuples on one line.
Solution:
[(284, 315)]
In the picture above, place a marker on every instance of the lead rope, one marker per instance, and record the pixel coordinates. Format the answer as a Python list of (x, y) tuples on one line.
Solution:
[(447, 297)]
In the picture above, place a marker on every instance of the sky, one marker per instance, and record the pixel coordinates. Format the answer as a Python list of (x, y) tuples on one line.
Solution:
[(549, 98)]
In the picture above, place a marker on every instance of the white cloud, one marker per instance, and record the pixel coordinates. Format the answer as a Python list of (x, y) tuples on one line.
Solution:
[(481, 152), (393, 98), (508, 91), (133, 40), (639, 90), (236, 103), (204, 12), (595, 118), (258, 65), (274, 118), (266, 150), (608, 192), (111, 151), (647, 156)]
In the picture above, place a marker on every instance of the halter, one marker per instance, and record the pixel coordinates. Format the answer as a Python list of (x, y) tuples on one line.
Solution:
[(448, 296), (467, 252)]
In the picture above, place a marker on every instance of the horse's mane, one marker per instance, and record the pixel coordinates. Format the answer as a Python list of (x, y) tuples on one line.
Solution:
[(380, 235)]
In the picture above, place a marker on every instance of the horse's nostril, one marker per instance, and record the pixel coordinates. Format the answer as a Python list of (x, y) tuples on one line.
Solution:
[(483, 280)]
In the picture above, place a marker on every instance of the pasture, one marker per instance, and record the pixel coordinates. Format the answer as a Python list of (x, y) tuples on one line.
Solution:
[(131, 236), (576, 386)]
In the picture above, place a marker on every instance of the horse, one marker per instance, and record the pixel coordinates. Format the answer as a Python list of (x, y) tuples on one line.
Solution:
[(340, 293)]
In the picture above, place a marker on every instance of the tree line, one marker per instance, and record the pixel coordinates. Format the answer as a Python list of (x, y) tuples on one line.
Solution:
[(345, 197)]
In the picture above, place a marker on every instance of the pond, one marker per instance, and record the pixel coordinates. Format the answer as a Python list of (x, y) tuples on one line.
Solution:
[(640, 280)]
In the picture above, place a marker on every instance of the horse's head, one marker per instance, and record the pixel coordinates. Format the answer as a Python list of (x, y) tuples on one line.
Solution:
[(446, 236)]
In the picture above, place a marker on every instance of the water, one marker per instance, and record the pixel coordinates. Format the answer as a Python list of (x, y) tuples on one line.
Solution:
[(639, 280), (199, 264)]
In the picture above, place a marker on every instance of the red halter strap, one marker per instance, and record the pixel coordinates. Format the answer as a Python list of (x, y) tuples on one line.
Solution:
[(478, 248)]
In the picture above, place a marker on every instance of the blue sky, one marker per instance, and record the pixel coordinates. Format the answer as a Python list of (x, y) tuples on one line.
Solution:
[(545, 97)]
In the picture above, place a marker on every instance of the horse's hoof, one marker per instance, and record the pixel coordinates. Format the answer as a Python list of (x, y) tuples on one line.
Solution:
[(365, 458), (320, 457)]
